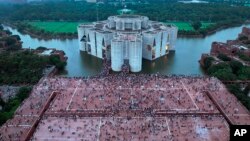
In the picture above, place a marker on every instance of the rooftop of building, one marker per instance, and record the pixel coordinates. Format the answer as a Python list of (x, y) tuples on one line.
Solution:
[(152, 28)]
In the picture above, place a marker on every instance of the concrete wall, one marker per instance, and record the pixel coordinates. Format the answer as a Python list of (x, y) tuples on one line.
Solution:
[(135, 55), (164, 42), (157, 45), (92, 42), (126, 50), (147, 41), (80, 31), (173, 37), (99, 44), (116, 55), (107, 39)]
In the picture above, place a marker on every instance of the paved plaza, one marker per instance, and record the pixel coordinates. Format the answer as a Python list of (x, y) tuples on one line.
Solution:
[(126, 107)]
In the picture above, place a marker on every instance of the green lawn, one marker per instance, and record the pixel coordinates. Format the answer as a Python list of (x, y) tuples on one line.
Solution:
[(57, 27), (70, 27), (187, 26)]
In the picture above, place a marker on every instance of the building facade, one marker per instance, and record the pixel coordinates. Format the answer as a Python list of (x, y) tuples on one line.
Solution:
[(127, 38)]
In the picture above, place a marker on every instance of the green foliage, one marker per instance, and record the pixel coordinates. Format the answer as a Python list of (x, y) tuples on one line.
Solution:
[(223, 71), (8, 32), (17, 37), (224, 57), (247, 89), (242, 38), (217, 67), (10, 104), (235, 89), (79, 11), (12, 42), (244, 73), (196, 25), (229, 71), (14, 47), (208, 62), (55, 60), (21, 67), (23, 93), (2, 103), (10, 107), (56, 27), (71, 13), (244, 57), (1, 27), (9, 40), (4, 117), (41, 48), (235, 65), (186, 26), (224, 74)]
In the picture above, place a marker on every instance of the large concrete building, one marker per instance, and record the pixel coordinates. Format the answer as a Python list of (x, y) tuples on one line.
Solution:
[(127, 38)]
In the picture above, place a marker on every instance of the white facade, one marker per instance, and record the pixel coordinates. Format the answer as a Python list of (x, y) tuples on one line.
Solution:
[(127, 37)]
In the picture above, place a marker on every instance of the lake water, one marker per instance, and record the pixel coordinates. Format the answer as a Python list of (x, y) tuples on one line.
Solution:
[(184, 61)]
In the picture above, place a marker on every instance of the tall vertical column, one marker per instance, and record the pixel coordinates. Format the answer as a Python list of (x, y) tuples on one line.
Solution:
[(116, 55), (80, 31), (135, 55)]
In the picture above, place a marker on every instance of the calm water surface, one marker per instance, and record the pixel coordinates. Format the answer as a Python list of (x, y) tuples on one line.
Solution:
[(184, 61)]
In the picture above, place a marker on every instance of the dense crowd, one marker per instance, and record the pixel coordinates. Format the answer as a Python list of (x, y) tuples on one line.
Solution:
[(111, 95)]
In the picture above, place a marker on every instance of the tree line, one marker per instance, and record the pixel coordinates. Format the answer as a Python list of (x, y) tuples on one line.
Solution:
[(77, 11)]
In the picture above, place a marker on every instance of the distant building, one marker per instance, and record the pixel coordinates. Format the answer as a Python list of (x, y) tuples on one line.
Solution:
[(91, 0), (34, 0), (233, 47), (127, 38), (52, 52), (14, 1)]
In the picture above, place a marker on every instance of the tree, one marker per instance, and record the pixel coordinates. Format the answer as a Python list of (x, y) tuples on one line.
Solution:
[(244, 73), (235, 65), (247, 89), (224, 74), (2, 103), (17, 37), (41, 48), (1, 27), (23, 93), (212, 69), (196, 25), (243, 37), (208, 62), (9, 40), (223, 57), (55, 60), (14, 47)]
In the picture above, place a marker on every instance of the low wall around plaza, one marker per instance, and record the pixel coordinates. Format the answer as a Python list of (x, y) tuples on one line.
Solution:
[(35, 124)]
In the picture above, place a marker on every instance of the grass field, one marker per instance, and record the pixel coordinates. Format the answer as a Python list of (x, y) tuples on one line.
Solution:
[(70, 27), (57, 27), (188, 27)]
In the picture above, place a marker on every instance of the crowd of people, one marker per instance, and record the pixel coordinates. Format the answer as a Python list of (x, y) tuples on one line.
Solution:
[(113, 95), (133, 128)]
